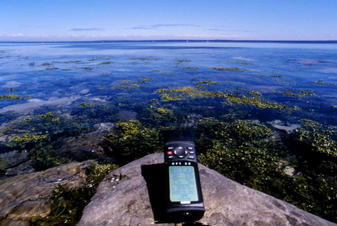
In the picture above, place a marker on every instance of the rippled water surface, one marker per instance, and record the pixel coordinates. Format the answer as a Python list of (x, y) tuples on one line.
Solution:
[(65, 74)]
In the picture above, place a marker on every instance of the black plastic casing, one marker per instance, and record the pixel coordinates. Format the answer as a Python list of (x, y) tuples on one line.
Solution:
[(177, 211)]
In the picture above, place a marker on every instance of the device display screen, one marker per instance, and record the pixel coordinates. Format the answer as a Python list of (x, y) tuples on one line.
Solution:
[(183, 187)]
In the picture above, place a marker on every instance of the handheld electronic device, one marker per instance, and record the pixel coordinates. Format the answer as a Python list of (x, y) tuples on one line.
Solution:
[(185, 201)]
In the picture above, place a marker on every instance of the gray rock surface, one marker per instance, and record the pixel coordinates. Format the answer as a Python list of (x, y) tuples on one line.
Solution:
[(23, 168), (27, 196), (15, 163), (122, 199), (14, 158)]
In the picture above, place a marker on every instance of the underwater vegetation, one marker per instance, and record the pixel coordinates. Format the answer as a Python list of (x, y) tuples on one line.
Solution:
[(180, 61), (241, 151), (10, 97), (230, 115), (276, 76), (299, 94), (144, 58), (201, 84), (191, 68), (68, 203), (131, 140), (322, 83), (129, 84), (319, 141), (106, 63), (42, 134), (252, 98), (244, 151), (87, 68), (244, 63), (227, 69)]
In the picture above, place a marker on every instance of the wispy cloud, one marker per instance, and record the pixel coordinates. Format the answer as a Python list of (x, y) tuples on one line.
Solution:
[(155, 26), (229, 30), (86, 29)]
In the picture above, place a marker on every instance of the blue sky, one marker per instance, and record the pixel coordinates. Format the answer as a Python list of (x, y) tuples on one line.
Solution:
[(173, 19)]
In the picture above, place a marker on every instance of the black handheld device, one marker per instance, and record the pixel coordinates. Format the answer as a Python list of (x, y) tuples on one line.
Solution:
[(185, 201)]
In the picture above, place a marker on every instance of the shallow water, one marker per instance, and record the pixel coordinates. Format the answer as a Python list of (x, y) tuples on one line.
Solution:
[(93, 71), (50, 93)]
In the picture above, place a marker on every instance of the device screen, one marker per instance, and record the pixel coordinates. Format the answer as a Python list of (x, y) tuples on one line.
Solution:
[(183, 187)]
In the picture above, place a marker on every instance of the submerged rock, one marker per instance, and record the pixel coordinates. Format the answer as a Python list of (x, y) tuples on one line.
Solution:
[(15, 163), (85, 146), (286, 127), (33, 104), (122, 199), (14, 158), (23, 168), (103, 126), (25, 197), (125, 115), (84, 91)]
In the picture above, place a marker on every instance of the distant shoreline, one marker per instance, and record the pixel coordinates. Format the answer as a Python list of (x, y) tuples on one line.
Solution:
[(187, 40)]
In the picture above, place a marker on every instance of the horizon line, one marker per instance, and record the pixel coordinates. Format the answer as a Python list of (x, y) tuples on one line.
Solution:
[(172, 40)]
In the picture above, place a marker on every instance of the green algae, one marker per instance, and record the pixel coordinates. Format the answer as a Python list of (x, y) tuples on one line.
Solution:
[(44, 156), (201, 84), (129, 84), (244, 63), (242, 151), (30, 138), (87, 68), (299, 94), (276, 76), (163, 110), (10, 97), (228, 69), (253, 98), (318, 139), (105, 62), (143, 58), (131, 140), (322, 83), (51, 68), (181, 61), (3, 164), (68, 203), (72, 62), (191, 68), (239, 149), (84, 104), (256, 102)]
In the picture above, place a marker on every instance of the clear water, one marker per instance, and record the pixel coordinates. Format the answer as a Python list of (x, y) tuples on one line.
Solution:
[(62, 75), (86, 83)]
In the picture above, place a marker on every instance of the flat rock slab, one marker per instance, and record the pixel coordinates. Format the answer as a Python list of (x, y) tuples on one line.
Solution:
[(26, 196), (122, 199)]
